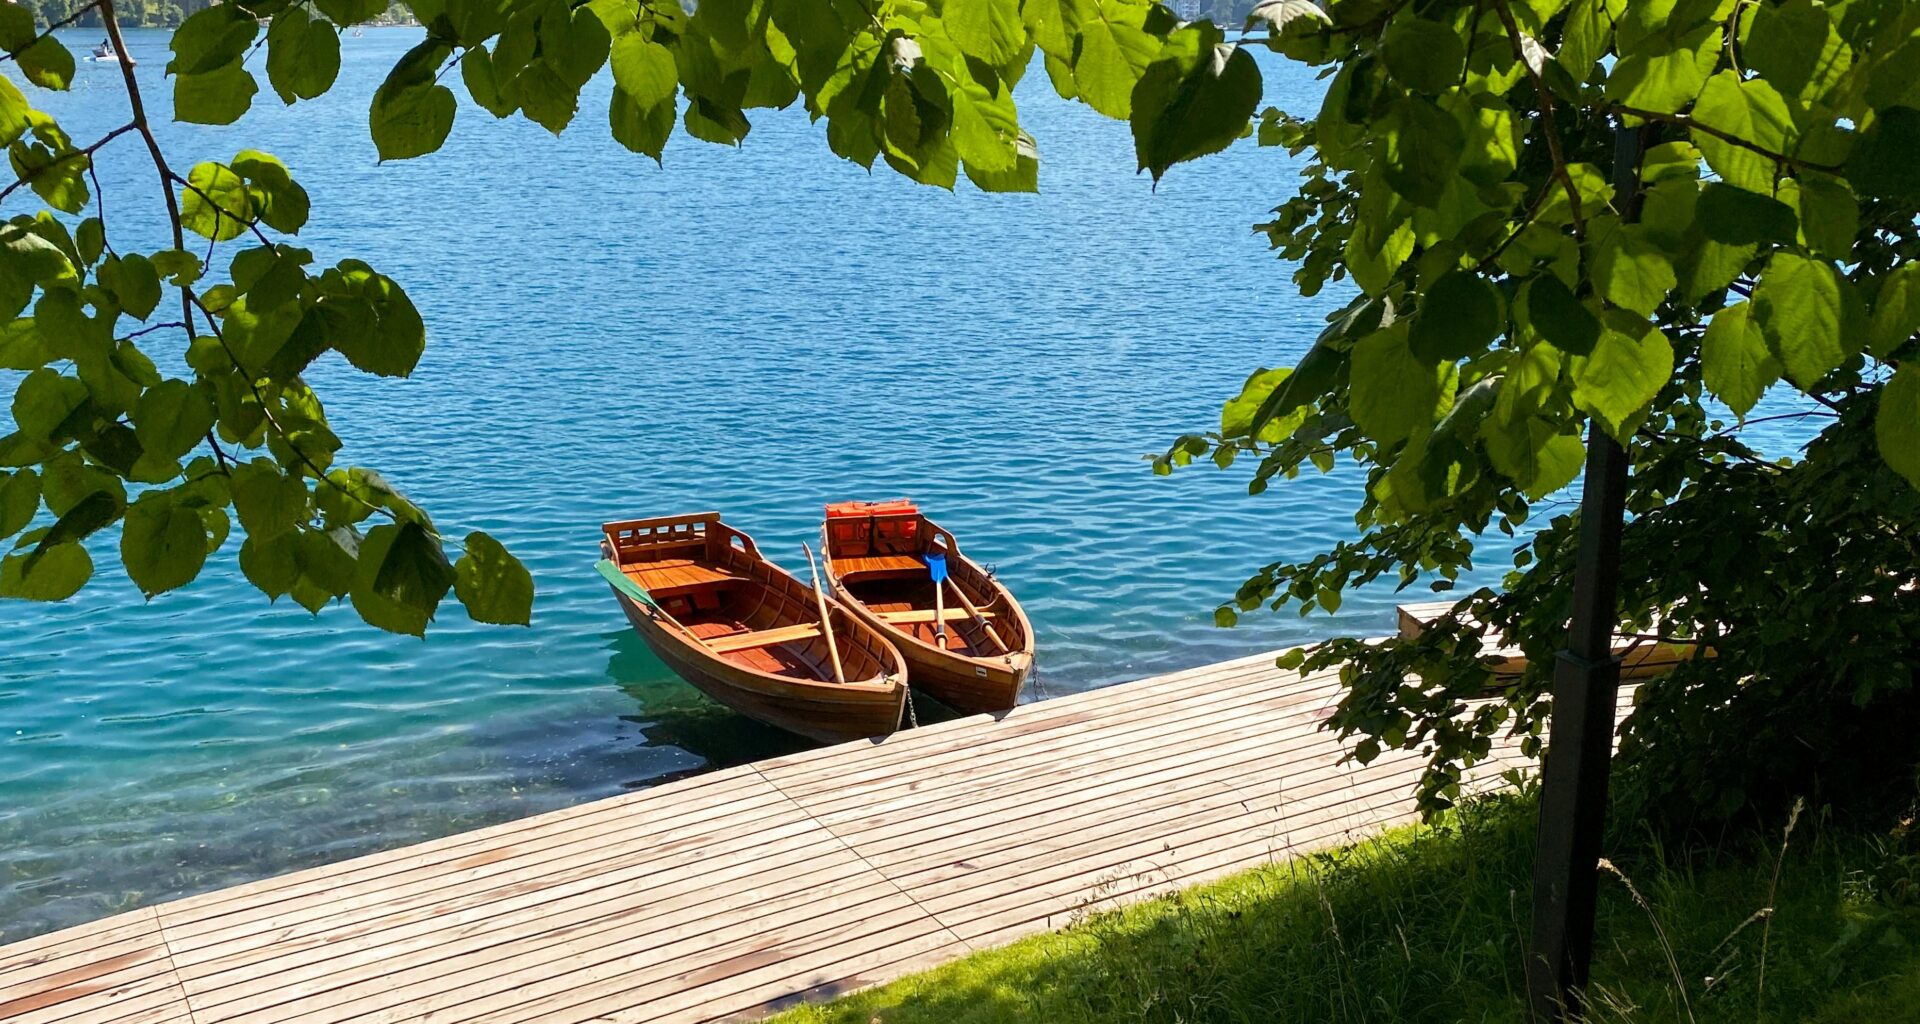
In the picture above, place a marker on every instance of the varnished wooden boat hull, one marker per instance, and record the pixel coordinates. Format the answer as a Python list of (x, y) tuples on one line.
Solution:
[(968, 684), (973, 686), (745, 632), (829, 712)]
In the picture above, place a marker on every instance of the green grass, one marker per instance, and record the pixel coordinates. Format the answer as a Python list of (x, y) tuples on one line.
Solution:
[(1426, 924)]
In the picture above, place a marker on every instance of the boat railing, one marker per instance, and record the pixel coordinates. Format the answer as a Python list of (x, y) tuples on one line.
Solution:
[(636, 539)]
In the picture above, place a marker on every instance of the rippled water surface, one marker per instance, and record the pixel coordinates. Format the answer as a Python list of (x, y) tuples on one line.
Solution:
[(756, 331)]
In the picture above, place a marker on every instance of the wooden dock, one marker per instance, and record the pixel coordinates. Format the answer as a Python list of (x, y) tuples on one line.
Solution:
[(737, 892)]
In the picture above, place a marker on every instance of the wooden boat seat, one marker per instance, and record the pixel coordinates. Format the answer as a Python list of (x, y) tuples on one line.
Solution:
[(763, 638), (680, 577), (880, 565), (919, 615)]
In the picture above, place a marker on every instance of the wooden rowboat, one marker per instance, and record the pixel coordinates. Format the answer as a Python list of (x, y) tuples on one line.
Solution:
[(877, 565), (748, 634)]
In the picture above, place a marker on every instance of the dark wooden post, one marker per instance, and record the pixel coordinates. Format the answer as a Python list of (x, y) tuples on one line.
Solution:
[(1586, 682)]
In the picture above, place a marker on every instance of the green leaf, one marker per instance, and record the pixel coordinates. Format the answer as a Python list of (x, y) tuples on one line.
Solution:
[(1113, 53), (1394, 391), (48, 65), (1557, 316), (43, 401), (1629, 364), (1796, 48), (17, 26), (411, 115), (1810, 315), (1425, 56), (411, 121), (1735, 362), (986, 128), (270, 503), (492, 584), (1751, 110), (644, 70), (640, 129), (1023, 177), (91, 238), (1194, 99), (57, 574), (19, 500), (1241, 416), (987, 30), (219, 96), (1420, 149), (78, 523), (1896, 311), (215, 204), (1896, 423), (277, 199), (1664, 77), (14, 112), (1829, 214), (163, 544), (211, 38), (402, 576), (134, 283), (1735, 216), (351, 12), (1586, 35), (1459, 317), (378, 329), (1536, 455), (1632, 270), (273, 564), (303, 55), (1882, 164), (172, 418)]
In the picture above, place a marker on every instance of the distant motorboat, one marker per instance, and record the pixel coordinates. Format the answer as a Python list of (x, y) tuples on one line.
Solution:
[(105, 53)]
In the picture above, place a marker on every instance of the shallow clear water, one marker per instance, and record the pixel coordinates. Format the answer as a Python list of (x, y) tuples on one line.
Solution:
[(756, 331)]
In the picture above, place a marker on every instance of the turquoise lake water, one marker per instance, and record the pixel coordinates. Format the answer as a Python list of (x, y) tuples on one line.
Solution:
[(756, 331)]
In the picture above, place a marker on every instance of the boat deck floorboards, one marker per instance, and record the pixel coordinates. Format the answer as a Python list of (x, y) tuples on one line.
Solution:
[(746, 889)]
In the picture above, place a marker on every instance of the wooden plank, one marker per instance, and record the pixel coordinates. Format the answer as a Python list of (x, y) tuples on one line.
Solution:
[(691, 888), (500, 973), (94, 983), (864, 751), (920, 615), (1019, 743), (483, 992), (433, 896), (325, 877), (39, 948), (733, 810), (763, 637), (1128, 770), (925, 748)]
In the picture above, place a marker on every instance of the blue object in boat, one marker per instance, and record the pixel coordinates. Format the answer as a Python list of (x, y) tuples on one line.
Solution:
[(937, 567)]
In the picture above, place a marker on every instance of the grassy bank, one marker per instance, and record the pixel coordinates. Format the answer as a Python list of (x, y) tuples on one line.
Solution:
[(1426, 924)]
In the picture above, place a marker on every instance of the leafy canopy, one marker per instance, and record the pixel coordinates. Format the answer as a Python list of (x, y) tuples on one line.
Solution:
[(1461, 180), (103, 438), (1522, 279)]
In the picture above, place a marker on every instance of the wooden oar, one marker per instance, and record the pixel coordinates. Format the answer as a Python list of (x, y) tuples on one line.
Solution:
[(625, 586), (826, 620), (977, 617)]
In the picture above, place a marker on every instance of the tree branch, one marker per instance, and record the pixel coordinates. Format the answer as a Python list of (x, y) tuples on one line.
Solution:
[(1546, 117), (1692, 124), (63, 158)]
